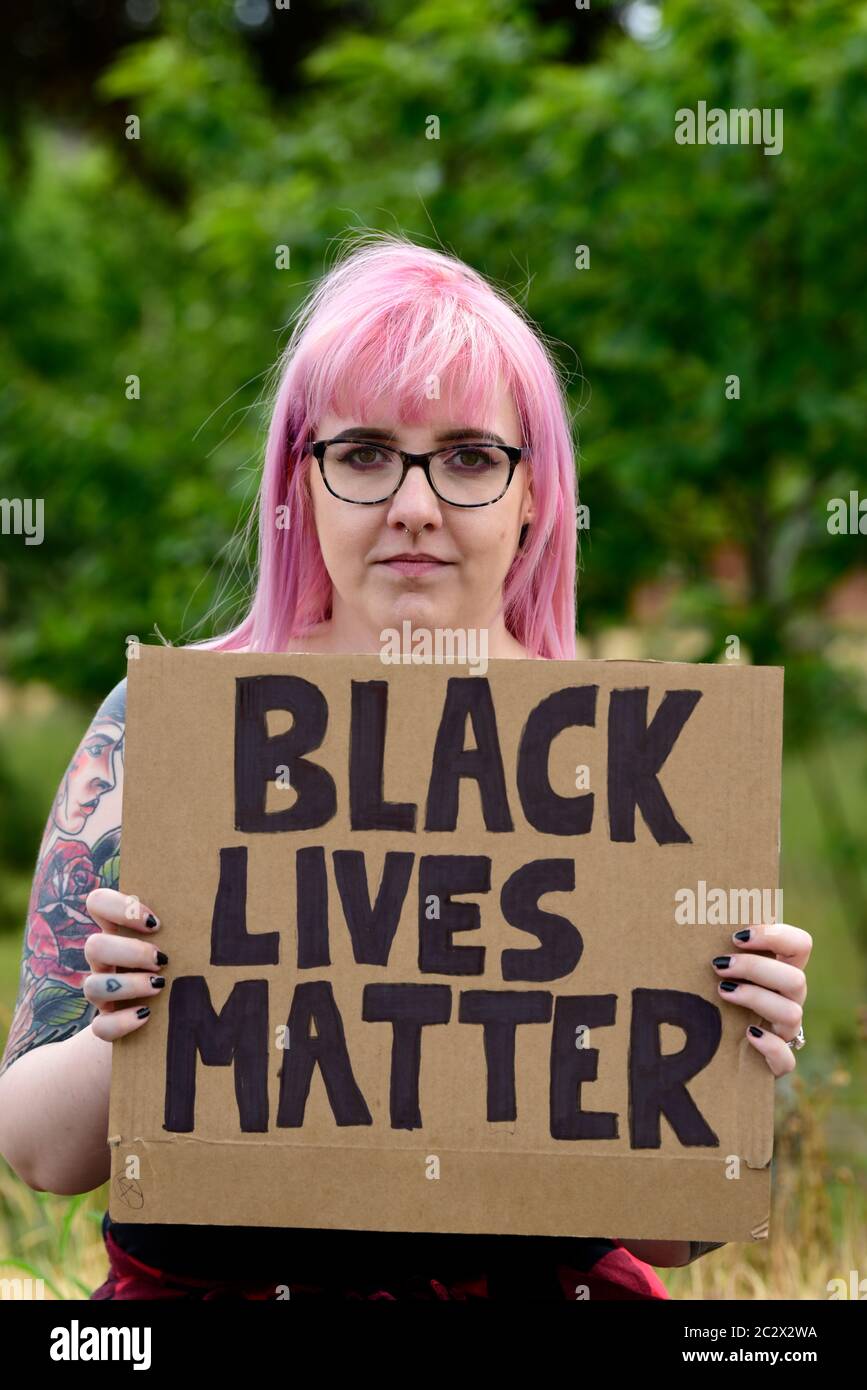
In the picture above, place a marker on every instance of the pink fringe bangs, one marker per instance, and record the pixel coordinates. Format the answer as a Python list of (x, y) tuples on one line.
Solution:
[(397, 322)]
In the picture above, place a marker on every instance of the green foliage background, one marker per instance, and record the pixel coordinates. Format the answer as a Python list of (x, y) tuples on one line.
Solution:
[(706, 261)]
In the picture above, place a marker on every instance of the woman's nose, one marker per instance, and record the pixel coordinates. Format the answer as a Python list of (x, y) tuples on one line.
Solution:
[(415, 504)]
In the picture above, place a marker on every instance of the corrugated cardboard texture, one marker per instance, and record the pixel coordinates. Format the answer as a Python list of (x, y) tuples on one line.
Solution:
[(450, 1168)]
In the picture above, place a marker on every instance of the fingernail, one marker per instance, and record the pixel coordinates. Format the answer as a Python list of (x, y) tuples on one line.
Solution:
[(162, 958), (142, 1013), (756, 1032), (158, 981), (151, 920), (743, 935), (722, 962), (728, 985)]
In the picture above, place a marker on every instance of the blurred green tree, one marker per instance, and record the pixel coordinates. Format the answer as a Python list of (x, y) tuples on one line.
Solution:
[(705, 262)]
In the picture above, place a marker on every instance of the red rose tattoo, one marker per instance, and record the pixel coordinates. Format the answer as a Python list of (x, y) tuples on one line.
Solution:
[(58, 924)]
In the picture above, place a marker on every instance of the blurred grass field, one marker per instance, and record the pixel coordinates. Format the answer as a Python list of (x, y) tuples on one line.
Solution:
[(819, 1214)]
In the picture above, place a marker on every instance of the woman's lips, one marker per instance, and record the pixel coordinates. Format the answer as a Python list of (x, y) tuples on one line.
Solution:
[(414, 567)]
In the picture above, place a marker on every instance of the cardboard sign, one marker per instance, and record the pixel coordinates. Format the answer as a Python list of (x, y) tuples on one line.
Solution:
[(441, 945)]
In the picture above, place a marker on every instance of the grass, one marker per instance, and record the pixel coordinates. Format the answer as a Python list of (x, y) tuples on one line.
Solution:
[(55, 1239), (818, 1213)]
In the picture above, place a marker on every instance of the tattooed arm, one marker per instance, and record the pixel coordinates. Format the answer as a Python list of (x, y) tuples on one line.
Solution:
[(54, 1098)]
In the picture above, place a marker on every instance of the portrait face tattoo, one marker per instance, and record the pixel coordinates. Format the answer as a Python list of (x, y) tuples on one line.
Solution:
[(90, 774)]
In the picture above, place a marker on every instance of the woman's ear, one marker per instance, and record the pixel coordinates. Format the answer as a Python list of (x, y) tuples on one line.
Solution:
[(528, 510), (529, 500)]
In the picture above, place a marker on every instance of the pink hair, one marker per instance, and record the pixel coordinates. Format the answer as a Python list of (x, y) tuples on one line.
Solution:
[(389, 317)]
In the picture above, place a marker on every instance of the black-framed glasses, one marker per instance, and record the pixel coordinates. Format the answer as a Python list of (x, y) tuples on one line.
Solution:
[(463, 475)]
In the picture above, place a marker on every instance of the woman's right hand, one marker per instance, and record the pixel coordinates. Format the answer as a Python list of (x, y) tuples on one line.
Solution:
[(125, 970)]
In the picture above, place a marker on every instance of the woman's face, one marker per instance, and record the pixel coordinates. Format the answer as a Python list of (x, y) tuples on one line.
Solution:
[(475, 545)]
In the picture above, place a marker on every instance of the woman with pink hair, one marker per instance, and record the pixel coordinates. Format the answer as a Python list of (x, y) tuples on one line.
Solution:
[(419, 470)]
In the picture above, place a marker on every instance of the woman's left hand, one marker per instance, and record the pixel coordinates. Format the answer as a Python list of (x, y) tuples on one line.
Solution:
[(774, 989)]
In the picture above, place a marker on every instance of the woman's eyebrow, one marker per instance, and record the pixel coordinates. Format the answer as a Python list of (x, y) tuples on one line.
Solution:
[(470, 432), (464, 432)]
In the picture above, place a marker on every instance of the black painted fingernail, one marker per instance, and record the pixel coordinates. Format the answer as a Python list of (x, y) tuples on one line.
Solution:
[(162, 958), (743, 935), (151, 921), (142, 1013), (158, 981), (756, 1032), (722, 962), (728, 985)]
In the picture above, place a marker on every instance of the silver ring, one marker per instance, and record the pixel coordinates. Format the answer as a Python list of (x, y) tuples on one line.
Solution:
[(798, 1041)]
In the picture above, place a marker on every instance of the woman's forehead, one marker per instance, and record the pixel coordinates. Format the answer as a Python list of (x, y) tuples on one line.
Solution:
[(437, 415)]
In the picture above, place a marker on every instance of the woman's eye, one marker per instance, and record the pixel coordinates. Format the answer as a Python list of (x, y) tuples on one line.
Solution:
[(364, 455), (470, 459)]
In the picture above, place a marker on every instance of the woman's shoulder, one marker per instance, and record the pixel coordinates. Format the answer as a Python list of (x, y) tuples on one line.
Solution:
[(313, 641)]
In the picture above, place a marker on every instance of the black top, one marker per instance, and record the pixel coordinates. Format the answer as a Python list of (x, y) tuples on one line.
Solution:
[(371, 1258)]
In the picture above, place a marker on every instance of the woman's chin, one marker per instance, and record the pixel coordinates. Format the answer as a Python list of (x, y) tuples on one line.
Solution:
[(416, 609)]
